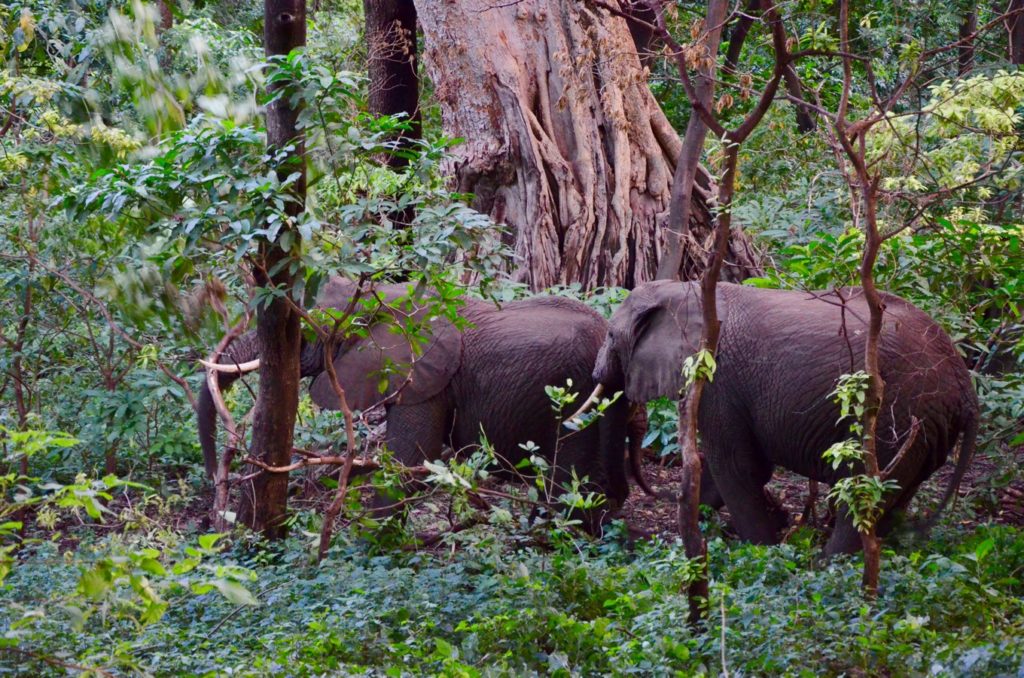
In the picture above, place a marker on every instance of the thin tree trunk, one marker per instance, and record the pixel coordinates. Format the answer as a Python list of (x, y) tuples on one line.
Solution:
[(166, 16), (965, 53), (681, 204), (867, 189), (1015, 29), (737, 36), (564, 142), (804, 115), (391, 50), (264, 502), (689, 496)]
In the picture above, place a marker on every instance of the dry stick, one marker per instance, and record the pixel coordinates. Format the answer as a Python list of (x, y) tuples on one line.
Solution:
[(52, 661), (359, 466), (890, 468)]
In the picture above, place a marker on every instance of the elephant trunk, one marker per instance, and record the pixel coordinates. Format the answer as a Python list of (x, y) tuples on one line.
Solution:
[(243, 350), (611, 426), (637, 429), (239, 358)]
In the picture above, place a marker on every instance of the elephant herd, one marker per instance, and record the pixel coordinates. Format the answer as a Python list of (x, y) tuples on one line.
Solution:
[(779, 356)]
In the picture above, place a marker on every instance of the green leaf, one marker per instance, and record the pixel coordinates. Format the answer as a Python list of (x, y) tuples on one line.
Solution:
[(93, 584), (234, 592), (153, 566), (207, 541), (982, 549)]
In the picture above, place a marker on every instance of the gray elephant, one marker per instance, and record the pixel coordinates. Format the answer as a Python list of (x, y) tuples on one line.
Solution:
[(489, 376), (779, 356)]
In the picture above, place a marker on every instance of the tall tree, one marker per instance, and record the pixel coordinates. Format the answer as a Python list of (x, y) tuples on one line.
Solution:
[(264, 501), (565, 143), (391, 54), (1015, 28), (965, 53)]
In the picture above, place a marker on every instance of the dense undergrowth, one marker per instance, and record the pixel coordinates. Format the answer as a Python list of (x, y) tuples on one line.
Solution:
[(952, 606)]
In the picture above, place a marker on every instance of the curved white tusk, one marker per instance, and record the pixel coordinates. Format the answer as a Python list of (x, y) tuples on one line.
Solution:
[(594, 398), (233, 369)]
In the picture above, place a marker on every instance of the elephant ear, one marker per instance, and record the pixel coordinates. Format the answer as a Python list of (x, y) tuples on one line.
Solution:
[(666, 334), (385, 354)]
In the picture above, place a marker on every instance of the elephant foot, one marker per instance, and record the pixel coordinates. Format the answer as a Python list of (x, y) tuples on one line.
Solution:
[(845, 539)]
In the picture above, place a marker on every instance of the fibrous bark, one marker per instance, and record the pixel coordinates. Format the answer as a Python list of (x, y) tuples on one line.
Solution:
[(565, 143)]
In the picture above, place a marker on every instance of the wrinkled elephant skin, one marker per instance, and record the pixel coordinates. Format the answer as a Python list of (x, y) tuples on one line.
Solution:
[(779, 357)]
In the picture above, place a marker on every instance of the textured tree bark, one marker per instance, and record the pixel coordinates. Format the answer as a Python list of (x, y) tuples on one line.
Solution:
[(265, 500), (391, 49), (564, 142)]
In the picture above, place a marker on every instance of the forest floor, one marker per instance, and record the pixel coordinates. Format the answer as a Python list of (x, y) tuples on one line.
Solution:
[(992, 492), (989, 493)]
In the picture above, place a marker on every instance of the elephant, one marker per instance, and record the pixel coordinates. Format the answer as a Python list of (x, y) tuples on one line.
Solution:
[(779, 356), (487, 377)]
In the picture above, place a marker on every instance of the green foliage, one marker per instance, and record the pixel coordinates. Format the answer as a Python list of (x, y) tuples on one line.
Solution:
[(700, 365), (862, 494), (850, 393), (598, 610), (662, 427)]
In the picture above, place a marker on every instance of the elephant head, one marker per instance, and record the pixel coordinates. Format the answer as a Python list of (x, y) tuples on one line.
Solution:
[(654, 330), (382, 359)]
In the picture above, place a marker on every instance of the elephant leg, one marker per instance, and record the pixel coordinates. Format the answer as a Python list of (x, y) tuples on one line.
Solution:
[(740, 474), (709, 493), (415, 433), (846, 539)]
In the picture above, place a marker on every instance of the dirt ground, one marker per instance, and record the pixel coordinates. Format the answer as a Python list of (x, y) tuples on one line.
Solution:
[(984, 495), (992, 491)]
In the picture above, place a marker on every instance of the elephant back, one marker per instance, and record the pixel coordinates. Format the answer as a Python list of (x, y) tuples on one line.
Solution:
[(383, 364), (509, 355)]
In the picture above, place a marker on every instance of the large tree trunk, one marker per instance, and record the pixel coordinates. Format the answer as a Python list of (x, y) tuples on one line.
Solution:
[(265, 500), (564, 142)]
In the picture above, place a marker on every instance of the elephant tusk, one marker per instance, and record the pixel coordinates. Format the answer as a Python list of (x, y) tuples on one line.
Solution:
[(588, 403), (233, 369)]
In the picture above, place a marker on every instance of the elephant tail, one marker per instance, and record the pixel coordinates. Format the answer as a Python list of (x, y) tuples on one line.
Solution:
[(967, 447)]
